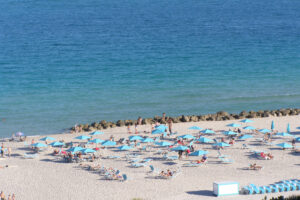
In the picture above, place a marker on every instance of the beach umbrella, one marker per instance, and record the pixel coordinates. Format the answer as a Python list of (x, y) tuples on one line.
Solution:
[(230, 133), (161, 127), (82, 137), (96, 141), (135, 137), (186, 137), (163, 144), (284, 145), (97, 133), (39, 145), (204, 140), (74, 149), (208, 131), (249, 128), (246, 121), (245, 137), (85, 151), (147, 140), (157, 131), (222, 144), (108, 143), (199, 153), (264, 130), (19, 134), (298, 127), (272, 125), (179, 148), (57, 144), (195, 128), (288, 129), (298, 139), (284, 134), (124, 148), (47, 138), (234, 125)]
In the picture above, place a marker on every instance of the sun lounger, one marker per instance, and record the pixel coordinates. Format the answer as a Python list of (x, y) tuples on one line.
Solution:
[(255, 188), (226, 160), (274, 188), (262, 189), (192, 164), (280, 187), (268, 189), (247, 190), (113, 157), (31, 156), (137, 165)]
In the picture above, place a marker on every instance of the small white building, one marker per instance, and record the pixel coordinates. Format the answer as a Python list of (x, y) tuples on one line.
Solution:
[(225, 188)]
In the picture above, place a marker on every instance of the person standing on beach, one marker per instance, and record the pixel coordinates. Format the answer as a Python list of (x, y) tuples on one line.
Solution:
[(128, 129), (136, 130), (170, 124), (163, 119), (9, 151), (139, 121)]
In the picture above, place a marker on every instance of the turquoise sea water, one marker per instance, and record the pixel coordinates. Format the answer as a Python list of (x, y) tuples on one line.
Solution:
[(66, 62)]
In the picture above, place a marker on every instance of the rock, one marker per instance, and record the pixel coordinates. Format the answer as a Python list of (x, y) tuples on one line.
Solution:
[(184, 118), (222, 113), (103, 122), (94, 124), (243, 114), (193, 118), (201, 118), (113, 125), (128, 122), (236, 116), (99, 127), (157, 118), (120, 123), (147, 121), (284, 112), (176, 119)]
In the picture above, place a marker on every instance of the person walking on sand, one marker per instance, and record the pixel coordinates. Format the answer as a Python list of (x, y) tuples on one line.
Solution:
[(128, 129), (136, 130), (163, 119), (9, 151), (170, 124)]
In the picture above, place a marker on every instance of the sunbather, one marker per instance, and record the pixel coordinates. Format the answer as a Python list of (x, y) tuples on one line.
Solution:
[(255, 167)]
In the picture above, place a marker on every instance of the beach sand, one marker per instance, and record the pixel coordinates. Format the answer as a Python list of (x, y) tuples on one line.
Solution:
[(44, 178)]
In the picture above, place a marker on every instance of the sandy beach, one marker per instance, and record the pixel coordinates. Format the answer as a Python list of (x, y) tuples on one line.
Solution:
[(48, 177)]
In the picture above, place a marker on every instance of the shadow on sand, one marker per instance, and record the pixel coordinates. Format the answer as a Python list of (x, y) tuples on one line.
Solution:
[(201, 193)]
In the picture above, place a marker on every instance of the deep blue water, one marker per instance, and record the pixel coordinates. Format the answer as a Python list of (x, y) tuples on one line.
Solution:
[(66, 62)]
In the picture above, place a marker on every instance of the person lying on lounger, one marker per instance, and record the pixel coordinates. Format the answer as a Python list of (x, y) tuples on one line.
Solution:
[(255, 167)]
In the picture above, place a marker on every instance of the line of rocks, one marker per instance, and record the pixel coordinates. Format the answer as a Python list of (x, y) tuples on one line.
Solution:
[(219, 116)]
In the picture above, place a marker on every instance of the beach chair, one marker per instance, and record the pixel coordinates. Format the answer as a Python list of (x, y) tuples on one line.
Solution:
[(192, 164), (245, 146), (274, 188), (137, 165), (226, 160), (255, 188), (171, 158), (247, 190), (280, 187), (146, 160), (113, 157), (267, 189), (125, 178), (262, 189), (296, 183), (30, 156)]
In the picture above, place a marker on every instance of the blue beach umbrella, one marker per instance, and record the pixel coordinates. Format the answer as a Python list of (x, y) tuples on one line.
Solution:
[(85, 151), (161, 127), (272, 125), (47, 138), (124, 148), (284, 145), (147, 140), (208, 131), (39, 145), (97, 133), (264, 130), (204, 140), (163, 144), (284, 134), (108, 143), (288, 129), (245, 137), (135, 137), (298, 139), (234, 125), (179, 148), (199, 153), (82, 137), (222, 144), (195, 128), (230, 133), (246, 121), (298, 127), (57, 144), (186, 137), (157, 131), (74, 149), (249, 128), (96, 141)]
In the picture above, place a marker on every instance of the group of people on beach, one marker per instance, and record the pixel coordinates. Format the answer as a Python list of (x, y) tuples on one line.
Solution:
[(3, 150), (10, 197)]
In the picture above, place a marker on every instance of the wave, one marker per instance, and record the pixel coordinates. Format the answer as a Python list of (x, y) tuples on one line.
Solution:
[(260, 97)]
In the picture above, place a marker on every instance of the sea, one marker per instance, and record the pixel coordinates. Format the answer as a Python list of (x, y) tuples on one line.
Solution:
[(78, 61)]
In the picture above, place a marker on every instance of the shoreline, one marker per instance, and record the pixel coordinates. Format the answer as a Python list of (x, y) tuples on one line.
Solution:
[(218, 116)]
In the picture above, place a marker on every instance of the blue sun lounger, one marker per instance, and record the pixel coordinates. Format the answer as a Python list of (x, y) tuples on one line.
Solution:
[(255, 188), (248, 189)]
